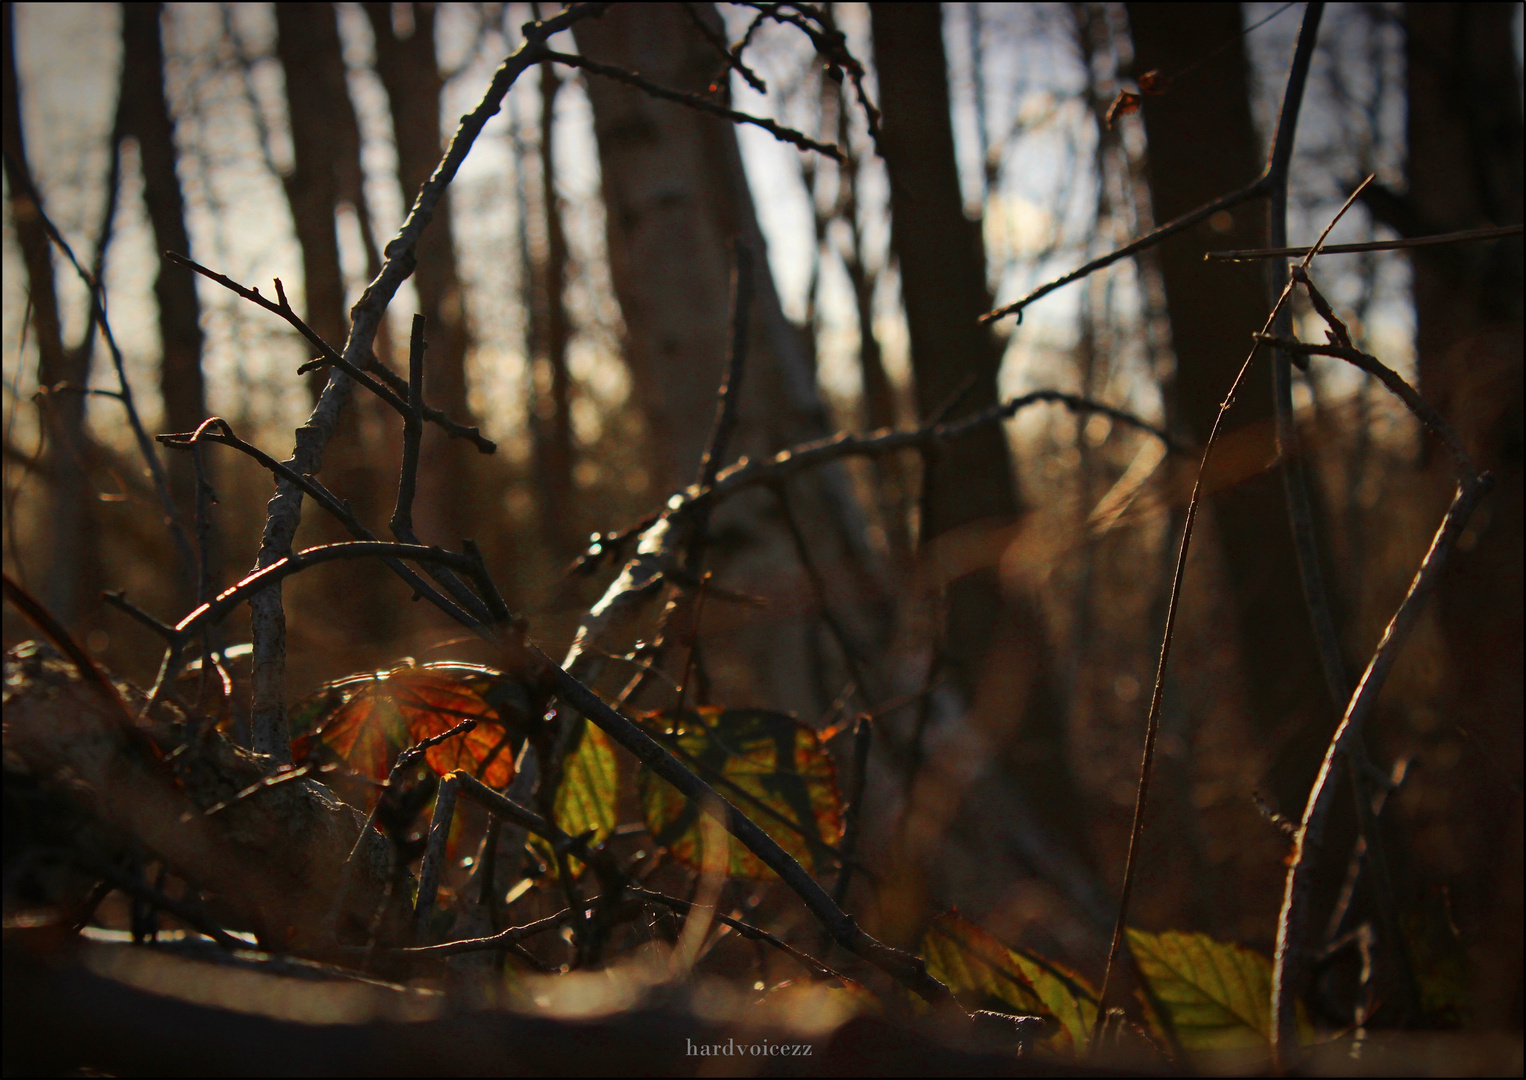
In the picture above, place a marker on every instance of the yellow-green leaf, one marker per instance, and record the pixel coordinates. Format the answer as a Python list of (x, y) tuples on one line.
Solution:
[(986, 974), (768, 764), (1216, 995), (586, 799)]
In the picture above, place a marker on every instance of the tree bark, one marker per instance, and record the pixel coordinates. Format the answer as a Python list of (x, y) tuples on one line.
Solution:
[(147, 119), (74, 568), (1202, 144), (1465, 170)]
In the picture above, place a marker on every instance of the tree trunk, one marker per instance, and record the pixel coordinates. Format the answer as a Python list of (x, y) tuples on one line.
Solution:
[(994, 639), (411, 75), (408, 68), (1202, 144), (676, 200), (73, 564), (322, 123), (1465, 171), (147, 119), (326, 174)]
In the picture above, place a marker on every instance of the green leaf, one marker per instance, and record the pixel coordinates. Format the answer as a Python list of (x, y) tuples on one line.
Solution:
[(1216, 995), (986, 974), (771, 767)]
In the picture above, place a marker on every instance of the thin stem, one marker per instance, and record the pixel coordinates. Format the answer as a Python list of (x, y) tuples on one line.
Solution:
[(1152, 723), (731, 385), (1290, 962), (1459, 237), (747, 930), (505, 939), (1148, 240)]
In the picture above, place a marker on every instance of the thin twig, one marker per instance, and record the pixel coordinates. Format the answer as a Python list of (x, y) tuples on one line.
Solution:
[(1152, 723), (505, 939), (732, 57), (726, 406), (218, 608), (124, 388), (1459, 237), (259, 787), (831, 44), (863, 736), (695, 101), (1288, 966), (118, 599), (413, 433), (1148, 240), (407, 481), (1341, 347), (401, 765), (1307, 548)]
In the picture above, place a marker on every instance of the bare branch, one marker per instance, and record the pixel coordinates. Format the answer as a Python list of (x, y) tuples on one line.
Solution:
[(268, 619)]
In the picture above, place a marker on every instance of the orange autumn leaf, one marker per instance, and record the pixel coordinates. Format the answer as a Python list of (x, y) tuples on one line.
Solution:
[(368, 719)]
